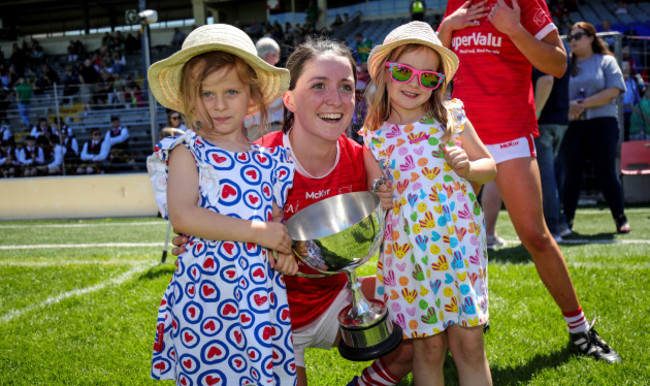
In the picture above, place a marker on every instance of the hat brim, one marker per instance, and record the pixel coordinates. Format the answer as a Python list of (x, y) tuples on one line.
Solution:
[(379, 55), (165, 76)]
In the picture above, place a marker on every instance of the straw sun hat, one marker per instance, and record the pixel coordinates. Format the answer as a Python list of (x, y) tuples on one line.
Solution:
[(165, 76), (415, 32)]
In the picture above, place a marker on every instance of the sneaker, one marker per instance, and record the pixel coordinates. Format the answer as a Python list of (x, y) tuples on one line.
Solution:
[(622, 225), (494, 241), (557, 238), (565, 231), (590, 343)]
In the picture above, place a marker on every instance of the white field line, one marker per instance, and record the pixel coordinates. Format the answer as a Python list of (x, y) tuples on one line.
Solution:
[(62, 262), (98, 245), (81, 225), (81, 291), (591, 241)]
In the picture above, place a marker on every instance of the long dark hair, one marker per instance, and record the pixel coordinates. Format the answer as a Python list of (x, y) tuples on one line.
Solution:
[(310, 49), (597, 45)]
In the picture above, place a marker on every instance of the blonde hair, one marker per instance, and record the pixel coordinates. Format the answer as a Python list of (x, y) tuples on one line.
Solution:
[(379, 107), (201, 66)]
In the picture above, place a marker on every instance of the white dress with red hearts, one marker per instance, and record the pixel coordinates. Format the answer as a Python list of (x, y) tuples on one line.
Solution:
[(224, 318)]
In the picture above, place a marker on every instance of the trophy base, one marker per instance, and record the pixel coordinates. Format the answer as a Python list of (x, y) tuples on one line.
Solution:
[(361, 354)]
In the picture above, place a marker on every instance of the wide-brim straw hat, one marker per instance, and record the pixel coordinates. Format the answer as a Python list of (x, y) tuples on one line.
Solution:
[(415, 32), (165, 76)]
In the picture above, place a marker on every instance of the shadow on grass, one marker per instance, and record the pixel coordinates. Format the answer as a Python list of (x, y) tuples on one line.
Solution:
[(515, 254), (516, 374), (157, 271)]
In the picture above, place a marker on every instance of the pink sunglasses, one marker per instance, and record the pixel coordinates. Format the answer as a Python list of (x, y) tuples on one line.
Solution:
[(401, 73)]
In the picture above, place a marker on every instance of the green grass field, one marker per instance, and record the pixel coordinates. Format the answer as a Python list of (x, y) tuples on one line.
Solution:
[(78, 302)]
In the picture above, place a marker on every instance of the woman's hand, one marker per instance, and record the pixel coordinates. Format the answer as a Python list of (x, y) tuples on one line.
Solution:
[(576, 108), (466, 16), (457, 159), (285, 264), (505, 19), (179, 242)]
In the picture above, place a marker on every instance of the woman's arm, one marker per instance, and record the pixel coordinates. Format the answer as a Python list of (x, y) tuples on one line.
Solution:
[(547, 55), (188, 217), (465, 16), (471, 160), (601, 98)]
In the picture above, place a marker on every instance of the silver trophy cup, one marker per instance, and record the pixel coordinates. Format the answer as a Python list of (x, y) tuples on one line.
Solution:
[(337, 235)]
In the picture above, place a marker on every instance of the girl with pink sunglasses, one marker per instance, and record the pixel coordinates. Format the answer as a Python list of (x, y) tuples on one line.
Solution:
[(433, 270)]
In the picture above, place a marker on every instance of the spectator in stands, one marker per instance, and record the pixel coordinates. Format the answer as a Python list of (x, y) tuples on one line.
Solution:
[(312, 12), (640, 120), (43, 129), (552, 107), (606, 26), (118, 138), (5, 102), (133, 95), (61, 127), (31, 77), (24, 99), (256, 29), (104, 87), (116, 96), (596, 81), (73, 56), (119, 62), (175, 120), (57, 152), (269, 51), (346, 17), (94, 154), (177, 38), (131, 44), (417, 9), (337, 22), (70, 82), (6, 135), (631, 98), (30, 157), (88, 78), (505, 122), (48, 78), (71, 153), (621, 8), (8, 159), (362, 47)]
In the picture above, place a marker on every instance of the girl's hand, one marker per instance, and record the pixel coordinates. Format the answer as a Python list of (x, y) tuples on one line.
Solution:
[(505, 19), (466, 16), (385, 194), (576, 108), (272, 235), (285, 264), (457, 159), (179, 242)]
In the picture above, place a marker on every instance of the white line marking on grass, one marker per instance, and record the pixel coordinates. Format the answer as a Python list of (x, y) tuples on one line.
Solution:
[(83, 225), (590, 241), (99, 245), (82, 291), (58, 263)]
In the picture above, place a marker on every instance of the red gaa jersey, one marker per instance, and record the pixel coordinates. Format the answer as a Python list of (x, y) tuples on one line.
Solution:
[(310, 297), (494, 77)]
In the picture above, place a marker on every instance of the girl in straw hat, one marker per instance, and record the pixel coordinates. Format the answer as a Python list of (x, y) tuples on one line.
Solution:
[(224, 317), (433, 273)]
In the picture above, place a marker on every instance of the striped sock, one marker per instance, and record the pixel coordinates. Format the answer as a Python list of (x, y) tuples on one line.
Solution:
[(576, 321), (376, 375)]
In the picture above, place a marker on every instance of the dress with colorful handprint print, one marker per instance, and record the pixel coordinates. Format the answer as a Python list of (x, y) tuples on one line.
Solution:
[(224, 318), (433, 272)]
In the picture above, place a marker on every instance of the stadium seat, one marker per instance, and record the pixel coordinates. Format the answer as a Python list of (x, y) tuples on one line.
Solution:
[(635, 157), (635, 171)]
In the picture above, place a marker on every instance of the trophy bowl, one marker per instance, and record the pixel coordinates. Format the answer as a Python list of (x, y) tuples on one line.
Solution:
[(337, 235)]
